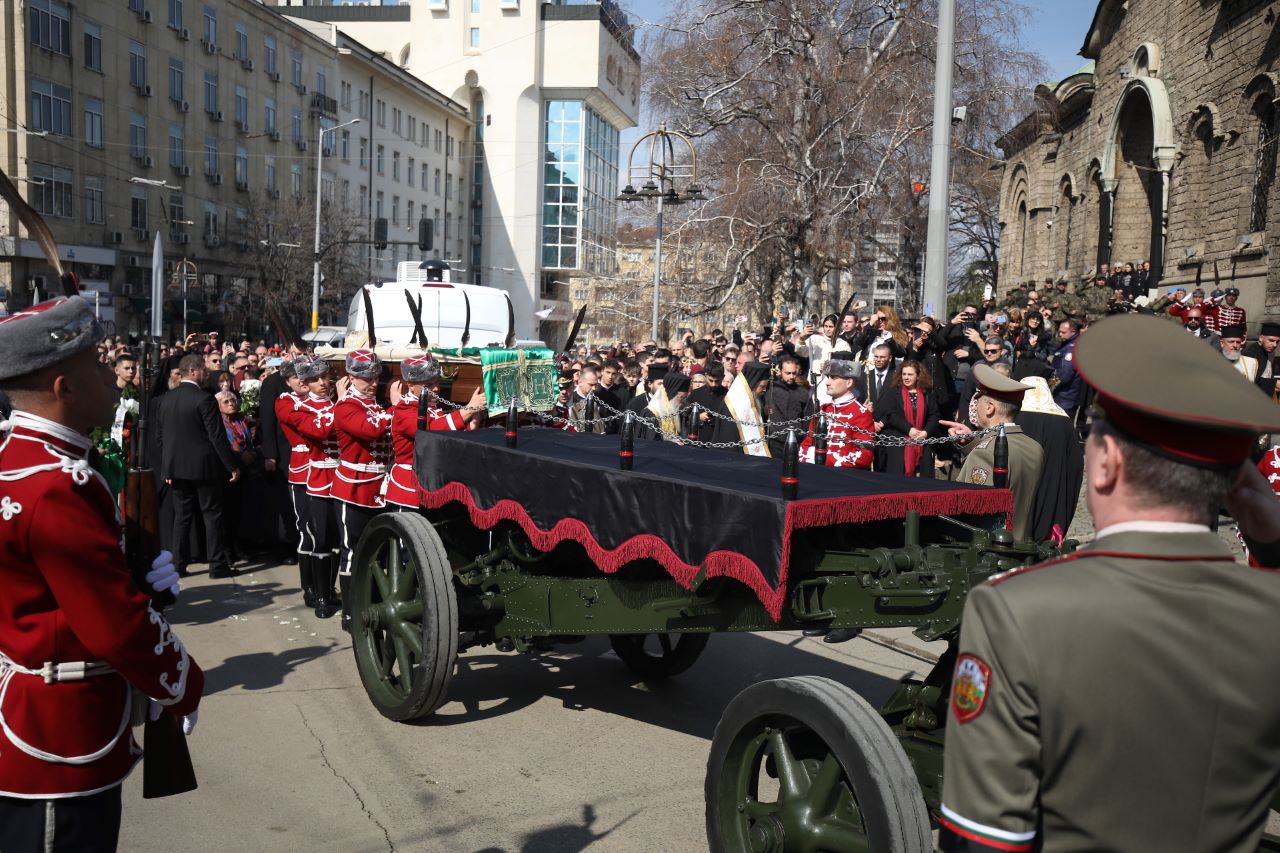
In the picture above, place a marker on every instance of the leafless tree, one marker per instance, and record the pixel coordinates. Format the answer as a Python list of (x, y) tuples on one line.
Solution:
[(812, 119)]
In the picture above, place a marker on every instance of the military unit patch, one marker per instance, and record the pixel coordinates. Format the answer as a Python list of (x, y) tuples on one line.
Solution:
[(969, 687), (979, 476)]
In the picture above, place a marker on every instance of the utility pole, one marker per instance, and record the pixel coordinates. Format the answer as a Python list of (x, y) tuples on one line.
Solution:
[(936, 246)]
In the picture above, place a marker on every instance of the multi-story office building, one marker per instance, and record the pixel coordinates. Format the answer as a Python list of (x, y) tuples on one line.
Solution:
[(403, 160), (549, 86), (203, 121), (175, 117)]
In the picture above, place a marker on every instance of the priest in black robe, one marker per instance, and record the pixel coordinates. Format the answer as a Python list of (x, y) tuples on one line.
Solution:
[(1063, 471)]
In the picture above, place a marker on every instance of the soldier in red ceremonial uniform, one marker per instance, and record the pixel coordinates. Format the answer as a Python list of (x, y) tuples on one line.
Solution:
[(79, 642), (421, 376), (315, 426), (848, 421), (364, 458), (289, 408)]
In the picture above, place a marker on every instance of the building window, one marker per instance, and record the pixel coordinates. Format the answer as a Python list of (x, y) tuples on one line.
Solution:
[(580, 170), (211, 228), (242, 107), (51, 26), (269, 115), (379, 159), (475, 37), (396, 121), (408, 172), (449, 149), (242, 167), (395, 210), (175, 15), (295, 179), (177, 214), (377, 205), (395, 165), (423, 182), (439, 141), (93, 122), (176, 80), (327, 142), (364, 153), (408, 212), (296, 121), (322, 80), (345, 150), (137, 65), (269, 164), (437, 182), (210, 92), (95, 201), (364, 105), (1264, 176), (54, 193), (382, 113), (242, 42), (138, 211), (475, 7), (137, 136), (412, 135), (211, 155), (177, 147), (93, 47), (295, 68), (344, 94), (269, 58), (210, 25)]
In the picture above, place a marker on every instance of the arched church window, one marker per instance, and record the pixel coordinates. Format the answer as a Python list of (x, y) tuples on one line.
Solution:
[(1068, 207), (1022, 238), (1265, 169)]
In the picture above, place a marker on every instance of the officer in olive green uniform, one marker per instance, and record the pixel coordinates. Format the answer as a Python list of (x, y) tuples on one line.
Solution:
[(1123, 697), (997, 400), (1160, 305), (1066, 305), (1093, 301)]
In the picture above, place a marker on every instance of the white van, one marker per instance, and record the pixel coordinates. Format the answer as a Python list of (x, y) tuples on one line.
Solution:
[(444, 308)]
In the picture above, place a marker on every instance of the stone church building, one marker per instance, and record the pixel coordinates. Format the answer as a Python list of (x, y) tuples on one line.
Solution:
[(1163, 147)]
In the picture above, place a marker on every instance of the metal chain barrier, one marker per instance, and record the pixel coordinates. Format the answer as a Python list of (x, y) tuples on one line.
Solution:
[(781, 428)]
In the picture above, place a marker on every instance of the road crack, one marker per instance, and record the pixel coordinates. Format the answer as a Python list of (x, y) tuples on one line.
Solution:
[(324, 757)]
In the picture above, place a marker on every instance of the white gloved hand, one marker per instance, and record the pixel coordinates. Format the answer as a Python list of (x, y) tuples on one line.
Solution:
[(155, 709), (163, 576)]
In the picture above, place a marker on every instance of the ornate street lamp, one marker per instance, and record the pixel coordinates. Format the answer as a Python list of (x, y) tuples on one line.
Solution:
[(661, 172)]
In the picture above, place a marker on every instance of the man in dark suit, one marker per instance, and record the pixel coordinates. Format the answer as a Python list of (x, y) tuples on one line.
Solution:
[(197, 463), (276, 452), (878, 376)]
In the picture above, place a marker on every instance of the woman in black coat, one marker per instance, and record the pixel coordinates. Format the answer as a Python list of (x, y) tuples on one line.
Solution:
[(908, 409)]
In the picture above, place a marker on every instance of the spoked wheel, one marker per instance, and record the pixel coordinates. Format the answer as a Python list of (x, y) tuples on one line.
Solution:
[(404, 623), (654, 657), (801, 765)]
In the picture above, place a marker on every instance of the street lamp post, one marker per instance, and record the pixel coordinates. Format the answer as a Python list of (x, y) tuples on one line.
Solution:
[(661, 173), (315, 271)]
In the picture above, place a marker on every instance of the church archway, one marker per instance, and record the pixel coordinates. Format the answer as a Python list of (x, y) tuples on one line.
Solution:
[(1139, 155)]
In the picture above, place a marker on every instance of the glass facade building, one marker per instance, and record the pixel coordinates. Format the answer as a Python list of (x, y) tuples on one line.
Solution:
[(580, 184)]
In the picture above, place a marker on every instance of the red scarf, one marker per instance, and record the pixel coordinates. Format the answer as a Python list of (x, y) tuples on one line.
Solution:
[(912, 452)]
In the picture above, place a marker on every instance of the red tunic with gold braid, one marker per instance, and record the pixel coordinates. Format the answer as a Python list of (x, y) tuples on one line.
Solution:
[(69, 605), (315, 426), (364, 450), (288, 411), (847, 421), (402, 482)]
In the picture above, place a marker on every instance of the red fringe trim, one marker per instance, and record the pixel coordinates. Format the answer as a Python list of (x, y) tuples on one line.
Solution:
[(800, 515)]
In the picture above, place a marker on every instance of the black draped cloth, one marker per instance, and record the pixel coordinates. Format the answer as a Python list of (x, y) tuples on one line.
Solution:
[(688, 511), (1061, 476)]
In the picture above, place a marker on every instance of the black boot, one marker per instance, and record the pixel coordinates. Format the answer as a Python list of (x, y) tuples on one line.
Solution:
[(306, 579), (344, 586), (324, 572)]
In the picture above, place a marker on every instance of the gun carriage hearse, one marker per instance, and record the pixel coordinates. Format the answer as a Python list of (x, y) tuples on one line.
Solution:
[(549, 542)]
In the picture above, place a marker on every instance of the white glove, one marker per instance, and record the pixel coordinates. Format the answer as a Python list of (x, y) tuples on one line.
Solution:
[(188, 721), (163, 576)]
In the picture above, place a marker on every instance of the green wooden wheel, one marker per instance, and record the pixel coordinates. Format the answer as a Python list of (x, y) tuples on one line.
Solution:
[(404, 616), (805, 765), (654, 657)]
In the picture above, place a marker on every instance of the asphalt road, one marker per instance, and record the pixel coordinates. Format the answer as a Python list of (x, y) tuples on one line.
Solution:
[(559, 752)]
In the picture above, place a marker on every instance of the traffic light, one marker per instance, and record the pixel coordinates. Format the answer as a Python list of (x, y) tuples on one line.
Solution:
[(380, 233), (425, 234), (919, 187)]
